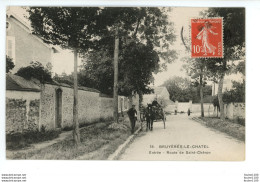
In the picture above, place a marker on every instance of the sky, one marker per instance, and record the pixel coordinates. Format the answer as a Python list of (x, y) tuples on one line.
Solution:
[(180, 16), (63, 61)]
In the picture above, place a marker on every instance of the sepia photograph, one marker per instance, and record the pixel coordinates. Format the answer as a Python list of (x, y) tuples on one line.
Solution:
[(129, 91), (125, 83)]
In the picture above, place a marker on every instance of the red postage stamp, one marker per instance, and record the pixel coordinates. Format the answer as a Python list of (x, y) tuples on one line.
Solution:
[(207, 38)]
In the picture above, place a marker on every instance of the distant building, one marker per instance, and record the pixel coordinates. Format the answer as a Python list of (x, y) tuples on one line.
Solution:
[(159, 92), (22, 46)]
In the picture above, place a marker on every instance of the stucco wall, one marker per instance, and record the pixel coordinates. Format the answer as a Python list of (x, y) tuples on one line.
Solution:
[(22, 111), (239, 110), (208, 107), (27, 47), (88, 106), (106, 107), (195, 108), (123, 103), (234, 110), (25, 95)]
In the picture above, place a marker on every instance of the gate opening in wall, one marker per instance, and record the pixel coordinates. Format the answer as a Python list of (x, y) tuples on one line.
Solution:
[(58, 108)]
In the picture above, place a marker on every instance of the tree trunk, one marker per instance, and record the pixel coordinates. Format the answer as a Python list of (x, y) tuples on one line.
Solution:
[(115, 95), (220, 95), (130, 97), (76, 134), (201, 96), (140, 93)]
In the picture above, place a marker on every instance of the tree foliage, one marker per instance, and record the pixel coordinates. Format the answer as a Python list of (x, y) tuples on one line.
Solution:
[(182, 90), (35, 70), (97, 71), (179, 89), (148, 25), (69, 27), (233, 39), (9, 64), (237, 94), (139, 62), (145, 39), (64, 78)]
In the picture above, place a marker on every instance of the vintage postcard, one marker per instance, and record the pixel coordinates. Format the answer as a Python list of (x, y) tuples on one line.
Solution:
[(125, 83)]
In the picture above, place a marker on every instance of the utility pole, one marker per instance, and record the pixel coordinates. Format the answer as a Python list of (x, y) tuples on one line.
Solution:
[(115, 95), (76, 134)]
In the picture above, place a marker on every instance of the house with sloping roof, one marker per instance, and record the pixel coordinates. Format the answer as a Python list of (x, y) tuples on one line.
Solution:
[(159, 92), (24, 47)]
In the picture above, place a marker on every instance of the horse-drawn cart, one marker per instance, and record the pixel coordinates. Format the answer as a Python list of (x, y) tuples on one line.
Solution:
[(151, 114)]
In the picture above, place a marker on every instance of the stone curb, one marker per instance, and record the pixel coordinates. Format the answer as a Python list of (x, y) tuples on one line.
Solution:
[(123, 146)]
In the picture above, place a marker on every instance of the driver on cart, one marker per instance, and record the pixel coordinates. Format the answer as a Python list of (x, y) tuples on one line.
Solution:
[(155, 103)]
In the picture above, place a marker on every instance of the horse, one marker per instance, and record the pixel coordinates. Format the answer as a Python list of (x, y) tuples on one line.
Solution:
[(149, 116)]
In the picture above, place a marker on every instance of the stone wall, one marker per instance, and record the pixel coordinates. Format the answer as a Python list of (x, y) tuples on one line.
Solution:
[(48, 106), (34, 110), (22, 111)]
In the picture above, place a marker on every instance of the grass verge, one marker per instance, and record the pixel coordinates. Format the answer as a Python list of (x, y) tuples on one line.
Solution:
[(229, 127), (98, 141), (21, 140)]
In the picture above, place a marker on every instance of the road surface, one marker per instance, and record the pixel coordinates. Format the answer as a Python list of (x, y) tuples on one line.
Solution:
[(184, 139)]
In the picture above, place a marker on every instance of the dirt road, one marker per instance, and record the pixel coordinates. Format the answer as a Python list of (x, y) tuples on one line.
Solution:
[(184, 139)]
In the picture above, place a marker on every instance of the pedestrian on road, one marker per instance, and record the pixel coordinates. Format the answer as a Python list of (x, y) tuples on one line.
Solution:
[(188, 112), (132, 114)]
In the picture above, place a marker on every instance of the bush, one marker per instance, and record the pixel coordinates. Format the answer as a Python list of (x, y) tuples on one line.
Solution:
[(240, 121), (36, 70), (9, 64), (237, 94), (16, 141)]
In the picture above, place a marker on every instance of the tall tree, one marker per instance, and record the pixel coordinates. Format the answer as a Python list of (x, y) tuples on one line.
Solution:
[(139, 62), (234, 45), (145, 28), (197, 70), (71, 28)]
